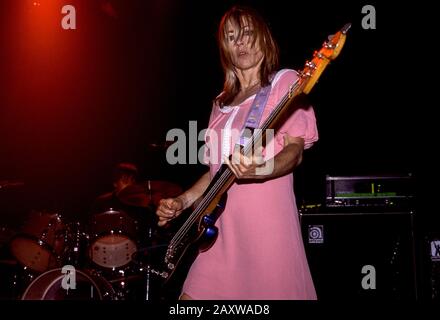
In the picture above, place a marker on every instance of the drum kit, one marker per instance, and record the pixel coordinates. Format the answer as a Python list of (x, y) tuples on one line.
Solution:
[(111, 254)]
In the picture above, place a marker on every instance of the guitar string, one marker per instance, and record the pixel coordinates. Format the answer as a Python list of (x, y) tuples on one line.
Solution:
[(227, 173), (202, 206), (291, 94)]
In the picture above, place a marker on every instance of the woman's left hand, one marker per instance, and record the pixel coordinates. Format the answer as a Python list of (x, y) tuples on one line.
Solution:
[(244, 167)]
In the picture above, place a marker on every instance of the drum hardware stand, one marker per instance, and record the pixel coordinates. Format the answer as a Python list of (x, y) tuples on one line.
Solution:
[(148, 274), (149, 190), (148, 267), (147, 284), (150, 271)]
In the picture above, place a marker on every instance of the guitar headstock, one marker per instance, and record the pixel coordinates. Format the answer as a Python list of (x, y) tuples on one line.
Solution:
[(329, 51)]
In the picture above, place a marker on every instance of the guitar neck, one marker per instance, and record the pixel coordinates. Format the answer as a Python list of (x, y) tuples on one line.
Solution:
[(277, 116), (224, 177), (201, 221)]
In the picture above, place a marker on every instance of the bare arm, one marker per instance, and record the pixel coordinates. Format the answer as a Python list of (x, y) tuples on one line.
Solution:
[(196, 191), (170, 208), (283, 163)]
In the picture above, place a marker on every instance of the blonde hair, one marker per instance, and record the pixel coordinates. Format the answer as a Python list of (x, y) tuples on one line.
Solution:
[(239, 15)]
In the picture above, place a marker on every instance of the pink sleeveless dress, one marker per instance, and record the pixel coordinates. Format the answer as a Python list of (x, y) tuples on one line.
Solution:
[(259, 253)]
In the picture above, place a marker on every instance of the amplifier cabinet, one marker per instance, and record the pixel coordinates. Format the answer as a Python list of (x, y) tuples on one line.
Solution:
[(361, 255)]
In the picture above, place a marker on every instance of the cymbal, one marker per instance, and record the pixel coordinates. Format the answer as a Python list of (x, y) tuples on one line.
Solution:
[(11, 183), (163, 146), (148, 193), (134, 195)]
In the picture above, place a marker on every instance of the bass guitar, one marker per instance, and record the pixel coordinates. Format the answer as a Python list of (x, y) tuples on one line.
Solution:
[(198, 232)]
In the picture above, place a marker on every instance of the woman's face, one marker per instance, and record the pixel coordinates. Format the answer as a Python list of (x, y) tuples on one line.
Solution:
[(245, 53)]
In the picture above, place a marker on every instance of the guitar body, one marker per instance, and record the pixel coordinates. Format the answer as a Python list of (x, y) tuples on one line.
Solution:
[(200, 237)]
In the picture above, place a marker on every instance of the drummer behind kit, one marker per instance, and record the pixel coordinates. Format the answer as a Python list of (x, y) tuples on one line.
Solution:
[(111, 254)]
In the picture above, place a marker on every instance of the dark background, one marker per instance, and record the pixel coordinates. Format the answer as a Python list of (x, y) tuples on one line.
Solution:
[(73, 103)]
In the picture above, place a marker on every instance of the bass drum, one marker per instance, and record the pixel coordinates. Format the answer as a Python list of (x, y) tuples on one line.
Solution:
[(88, 286)]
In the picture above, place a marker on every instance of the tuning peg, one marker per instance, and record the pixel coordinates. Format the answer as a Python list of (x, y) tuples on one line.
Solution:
[(311, 65), (329, 45), (346, 28)]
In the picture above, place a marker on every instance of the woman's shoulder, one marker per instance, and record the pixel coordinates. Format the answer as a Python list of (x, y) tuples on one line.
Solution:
[(216, 107), (284, 75), (283, 80)]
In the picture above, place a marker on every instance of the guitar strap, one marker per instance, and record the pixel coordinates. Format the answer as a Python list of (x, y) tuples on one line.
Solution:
[(254, 115)]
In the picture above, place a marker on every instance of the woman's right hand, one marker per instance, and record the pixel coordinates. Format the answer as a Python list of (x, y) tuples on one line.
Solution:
[(168, 209)]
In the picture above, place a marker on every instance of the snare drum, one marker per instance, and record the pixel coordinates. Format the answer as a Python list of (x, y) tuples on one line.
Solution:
[(88, 286), (40, 243), (113, 238)]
